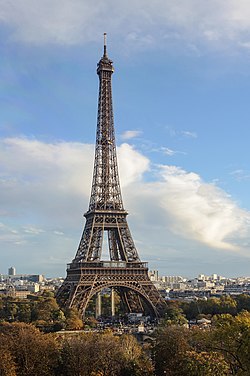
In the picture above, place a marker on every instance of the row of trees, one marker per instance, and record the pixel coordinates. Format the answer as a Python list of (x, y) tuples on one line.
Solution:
[(214, 306), (25, 351), (174, 351), (179, 312), (42, 311)]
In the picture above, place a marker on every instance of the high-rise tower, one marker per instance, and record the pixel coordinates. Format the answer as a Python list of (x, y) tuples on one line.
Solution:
[(87, 274)]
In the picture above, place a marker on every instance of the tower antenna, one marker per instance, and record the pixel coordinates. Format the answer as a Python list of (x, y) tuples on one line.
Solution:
[(105, 44)]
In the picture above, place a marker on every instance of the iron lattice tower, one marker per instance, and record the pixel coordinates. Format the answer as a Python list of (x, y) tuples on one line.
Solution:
[(87, 274)]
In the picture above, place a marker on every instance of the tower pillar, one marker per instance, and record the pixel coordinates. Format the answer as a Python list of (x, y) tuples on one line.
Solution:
[(112, 302), (98, 310)]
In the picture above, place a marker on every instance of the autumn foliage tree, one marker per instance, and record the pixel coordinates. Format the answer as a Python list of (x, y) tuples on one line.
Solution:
[(105, 355), (220, 351), (30, 352)]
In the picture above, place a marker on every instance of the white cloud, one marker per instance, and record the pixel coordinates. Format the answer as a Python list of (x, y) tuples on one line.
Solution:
[(240, 174), (202, 211), (51, 179), (45, 189), (33, 230), (168, 151), (141, 23), (132, 164), (189, 134), (127, 135), (9, 235), (180, 133), (60, 233)]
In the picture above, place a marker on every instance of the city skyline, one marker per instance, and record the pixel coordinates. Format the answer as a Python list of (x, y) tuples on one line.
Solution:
[(180, 93)]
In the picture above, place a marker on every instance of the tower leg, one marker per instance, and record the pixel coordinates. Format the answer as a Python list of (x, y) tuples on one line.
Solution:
[(112, 302), (98, 310)]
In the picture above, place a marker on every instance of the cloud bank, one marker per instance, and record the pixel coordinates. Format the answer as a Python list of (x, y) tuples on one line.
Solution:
[(215, 23), (45, 188)]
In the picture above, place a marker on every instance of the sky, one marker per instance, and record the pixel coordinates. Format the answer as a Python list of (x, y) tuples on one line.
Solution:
[(181, 90)]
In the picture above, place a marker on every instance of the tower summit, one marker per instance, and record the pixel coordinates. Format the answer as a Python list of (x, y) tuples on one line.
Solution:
[(88, 274)]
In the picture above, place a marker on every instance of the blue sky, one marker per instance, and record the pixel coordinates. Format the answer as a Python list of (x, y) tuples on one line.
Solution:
[(181, 105)]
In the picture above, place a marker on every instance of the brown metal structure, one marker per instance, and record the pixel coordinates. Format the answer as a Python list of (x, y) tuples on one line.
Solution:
[(87, 274)]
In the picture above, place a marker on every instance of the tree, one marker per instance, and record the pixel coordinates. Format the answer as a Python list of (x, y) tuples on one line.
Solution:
[(24, 312), (91, 354), (179, 351), (134, 360), (174, 315), (34, 353), (206, 364), (46, 309), (243, 302), (228, 305), (73, 319), (214, 306), (231, 337), (11, 310), (7, 362), (169, 351), (104, 355)]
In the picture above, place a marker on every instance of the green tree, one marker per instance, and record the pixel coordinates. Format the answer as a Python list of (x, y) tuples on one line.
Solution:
[(11, 310), (47, 315), (46, 309), (243, 302), (24, 312), (228, 305), (174, 315), (231, 337)]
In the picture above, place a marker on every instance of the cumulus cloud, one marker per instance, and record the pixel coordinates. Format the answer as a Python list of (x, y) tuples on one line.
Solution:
[(202, 211), (53, 178), (43, 185), (132, 164), (139, 23)]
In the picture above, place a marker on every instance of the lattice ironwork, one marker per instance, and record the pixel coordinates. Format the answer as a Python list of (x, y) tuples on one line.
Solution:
[(125, 272)]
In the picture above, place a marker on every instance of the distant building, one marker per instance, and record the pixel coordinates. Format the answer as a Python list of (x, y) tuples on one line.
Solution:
[(153, 275), (38, 278), (236, 289), (12, 271), (170, 279)]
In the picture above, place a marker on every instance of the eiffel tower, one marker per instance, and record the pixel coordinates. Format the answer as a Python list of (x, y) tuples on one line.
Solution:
[(87, 274)]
